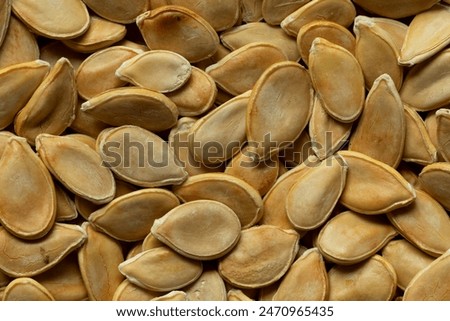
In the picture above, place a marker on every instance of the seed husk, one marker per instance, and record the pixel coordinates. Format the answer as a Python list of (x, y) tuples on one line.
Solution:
[(65, 205), (208, 287), (5, 14), (127, 291), (395, 9), (172, 296), (26, 289), (120, 11), (443, 132), (237, 295), (55, 50), (274, 11), (435, 180)]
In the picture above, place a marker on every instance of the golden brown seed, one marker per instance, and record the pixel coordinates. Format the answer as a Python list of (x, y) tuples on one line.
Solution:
[(87, 124), (443, 132), (237, 295), (208, 287), (88, 140), (65, 206), (29, 258), (150, 242), (341, 240), (161, 269), (178, 29), (431, 126), (55, 50), (120, 11), (435, 180), (396, 29), (274, 11), (26, 289), (128, 291), (395, 9), (338, 80), (300, 149), (5, 13)]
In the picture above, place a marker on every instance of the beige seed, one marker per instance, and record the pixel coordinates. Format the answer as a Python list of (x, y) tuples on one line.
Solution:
[(161, 270), (208, 287), (237, 295), (435, 180), (396, 29), (395, 9), (88, 140), (65, 205), (151, 242), (55, 50), (4, 139), (431, 126), (87, 124), (26, 289), (5, 14), (128, 291), (39, 255), (172, 296), (274, 11), (135, 250), (443, 132), (120, 11), (300, 150), (341, 240)]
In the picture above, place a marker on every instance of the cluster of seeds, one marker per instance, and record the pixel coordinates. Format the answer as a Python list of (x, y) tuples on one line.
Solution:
[(224, 150)]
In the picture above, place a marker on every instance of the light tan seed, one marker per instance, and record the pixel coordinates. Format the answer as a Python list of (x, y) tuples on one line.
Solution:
[(431, 126), (100, 34), (202, 230), (396, 29), (299, 151), (306, 279), (266, 293), (132, 44), (151, 242), (172, 296), (341, 240), (128, 291), (338, 79), (86, 124), (374, 129), (340, 11), (242, 198), (98, 259), (133, 106), (435, 180), (68, 19), (63, 155), (161, 269), (238, 71), (26, 289), (130, 217), (88, 140), (406, 259), (427, 35), (279, 108), (65, 205), (327, 134), (395, 9), (19, 45), (409, 174), (208, 287), (274, 11), (178, 29), (443, 132), (311, 200), (159, 70), (328, 30), (418, 145), (221, 52), (55, 50), (241, 35), (237, 295), (376, 52), (431, 283), (27, 192), (4, 139), (251, 10), (120, 11), (251, 265), (51, 108), (371, 280), (219, 135), (373, 187), (29, 258), (152, 164)]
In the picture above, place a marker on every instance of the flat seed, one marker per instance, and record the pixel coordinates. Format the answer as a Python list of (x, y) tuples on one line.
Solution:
[(274, 11), (178, 29), (427, 35), (340, 11), (431, 126), (251, 10), (63, 155), (161, 270), (100, 34), (29, 258), (443, 132), (299, 151), (340, 240), (158, 70), (86, 124), (51, 108), (396, 29), (26, 289), (374, 129), (102, 65), (245, 201), (68, 19), (208, 287), (65, 206), (202, 230), (27, 192), (133, 106), (371, 280), (172, 296), (279, 108), (120, 11), (406, 259), (435, 180), (5, 13), (151, 164), (306, 279), (431, 283), (311, 200), (250, 265), (128, 291), (238, 71), (130, 217), (397, 9), (55, 50), (373, 187), (338, 79), (237, 295), (88, 140), (151, 242)]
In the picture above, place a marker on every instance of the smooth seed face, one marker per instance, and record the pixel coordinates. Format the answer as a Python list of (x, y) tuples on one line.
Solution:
[(208, 287), (435, 179), (26, 289)]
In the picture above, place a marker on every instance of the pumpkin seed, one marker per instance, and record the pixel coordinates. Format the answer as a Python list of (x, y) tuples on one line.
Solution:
[(120, 11), (435, 180), (274, 11), (65, 206), (26, 289), (5, 14), (172, 296), (208, 287), (397, 9), (127, 291), (443, 131)]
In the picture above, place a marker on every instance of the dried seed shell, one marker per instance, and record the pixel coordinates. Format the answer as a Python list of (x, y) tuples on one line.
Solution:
[(237, 295), (86, 124), (65, 206), (443, 132), (120, 11), (435, 180), (172, 296), (128, 291), (431, 128), (208, 287), (26, 289), (274, 11), (395, 9), (5, 14)]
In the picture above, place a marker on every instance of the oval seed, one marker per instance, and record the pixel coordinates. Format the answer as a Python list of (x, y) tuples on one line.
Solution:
[(54, 50), (237, 295), (243, 199), (431, 283), (26, 289), (151, 242), (63, 155), (274, 11), (178, 29), (161, 270), (27, 192), (306, 279), (208, 287), (158, 70), (395, 9), (299, 151), (341, 240), (435, 180), (5, 14), (172, 296), (285, 87), (443, 132), (431, 127), (202, 230), (338, 80), (371, 280), (250, 265), (251, 10), (133, 106), (139, 157), (128, 291), (65, 206), (130, 217), (120, 11), (396, 29), (86, 124), (373, 187), (406, 259), (29, 258)]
